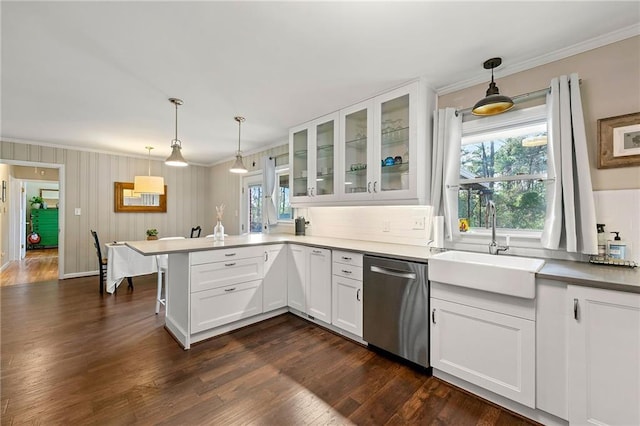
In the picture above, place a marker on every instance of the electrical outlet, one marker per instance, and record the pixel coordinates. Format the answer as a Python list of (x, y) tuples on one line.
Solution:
[(386, 226), (418, 222)]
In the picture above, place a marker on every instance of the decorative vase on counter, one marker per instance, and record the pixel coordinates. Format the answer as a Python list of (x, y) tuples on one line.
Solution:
[(218, 232)]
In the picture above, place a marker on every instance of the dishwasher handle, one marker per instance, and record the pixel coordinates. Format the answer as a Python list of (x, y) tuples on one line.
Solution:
[(394, 273)]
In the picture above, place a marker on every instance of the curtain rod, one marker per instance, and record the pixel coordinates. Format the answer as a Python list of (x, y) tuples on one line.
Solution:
[(519, 98)]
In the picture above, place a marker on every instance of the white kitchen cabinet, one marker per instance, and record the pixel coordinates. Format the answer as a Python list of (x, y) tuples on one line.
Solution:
[(274, 291), (319, 284), (346, 292), (383, 151), (297, 277), (309, 281), (313, 161), (220, 306), (604, 356), (485, 339)]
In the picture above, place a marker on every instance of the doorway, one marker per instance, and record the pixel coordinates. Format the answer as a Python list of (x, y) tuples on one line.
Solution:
[(33, 258), (252, 204)]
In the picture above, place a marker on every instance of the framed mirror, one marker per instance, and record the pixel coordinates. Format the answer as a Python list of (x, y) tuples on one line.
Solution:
[(126, 201)]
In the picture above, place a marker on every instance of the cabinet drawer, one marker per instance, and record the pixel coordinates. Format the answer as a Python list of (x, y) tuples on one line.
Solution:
[(219, 274), (347, 271), (220, 306), (200, 257), (347, 257)]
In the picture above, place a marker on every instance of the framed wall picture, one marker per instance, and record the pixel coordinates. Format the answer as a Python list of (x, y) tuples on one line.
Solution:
[(619, 141)]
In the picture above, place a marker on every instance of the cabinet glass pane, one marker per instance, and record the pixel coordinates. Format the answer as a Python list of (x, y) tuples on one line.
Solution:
[(300, 155), (394, 144), (355, 157), (324, 158)]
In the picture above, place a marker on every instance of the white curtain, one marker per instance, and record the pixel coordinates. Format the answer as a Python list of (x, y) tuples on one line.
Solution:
[(445, 168), (570, 221), (269, 185)]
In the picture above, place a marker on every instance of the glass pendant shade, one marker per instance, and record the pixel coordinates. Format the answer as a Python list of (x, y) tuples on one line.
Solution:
[(176, 159), (493, 103), (238, 166), (148, 184)]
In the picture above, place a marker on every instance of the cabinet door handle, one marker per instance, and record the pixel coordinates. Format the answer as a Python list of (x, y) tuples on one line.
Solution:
[(266, 256), (433, 315), (230, 264), (575, 309), (346, 258), (347, 271), (229, 254), (374, 186), (358, 295), (229, 289), (369, 187)]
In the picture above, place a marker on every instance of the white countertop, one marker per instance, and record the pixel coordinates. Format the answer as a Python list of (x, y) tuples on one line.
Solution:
[(609, 277)]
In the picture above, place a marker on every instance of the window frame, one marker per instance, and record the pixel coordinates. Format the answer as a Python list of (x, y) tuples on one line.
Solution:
[(283, 170), (483, 125)]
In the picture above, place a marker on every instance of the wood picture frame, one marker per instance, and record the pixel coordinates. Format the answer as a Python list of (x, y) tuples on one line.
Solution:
[(122, 204), (619, 141)]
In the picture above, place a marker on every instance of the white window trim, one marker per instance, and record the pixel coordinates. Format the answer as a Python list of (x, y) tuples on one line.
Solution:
[(482, 236), (280, 170)]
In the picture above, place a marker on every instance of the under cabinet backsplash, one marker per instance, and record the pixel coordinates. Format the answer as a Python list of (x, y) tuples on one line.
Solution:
[(388, 224)]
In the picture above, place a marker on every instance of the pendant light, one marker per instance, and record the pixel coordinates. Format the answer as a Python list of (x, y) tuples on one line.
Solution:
[(494, 103), (176, 159), (148, 184), (238, 166)]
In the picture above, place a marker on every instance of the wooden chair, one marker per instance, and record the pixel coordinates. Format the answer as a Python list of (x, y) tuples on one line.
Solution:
[(195, 232), (102, 263), (163, 264)]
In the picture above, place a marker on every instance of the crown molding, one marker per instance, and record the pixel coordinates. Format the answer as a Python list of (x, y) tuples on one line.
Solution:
[(594, 43)]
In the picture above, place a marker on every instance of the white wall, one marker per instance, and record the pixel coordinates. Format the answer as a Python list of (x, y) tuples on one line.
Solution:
[(619, 210)]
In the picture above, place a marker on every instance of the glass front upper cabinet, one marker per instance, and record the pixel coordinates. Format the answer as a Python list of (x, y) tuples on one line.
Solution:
[(325, 144), (356, 133), (300, 162), (394, 136)]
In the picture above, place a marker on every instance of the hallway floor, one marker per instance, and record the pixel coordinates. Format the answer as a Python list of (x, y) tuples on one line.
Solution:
[(38, 265)]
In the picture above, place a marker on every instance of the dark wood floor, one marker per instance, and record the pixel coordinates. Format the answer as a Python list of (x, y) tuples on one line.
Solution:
[(71, 356)]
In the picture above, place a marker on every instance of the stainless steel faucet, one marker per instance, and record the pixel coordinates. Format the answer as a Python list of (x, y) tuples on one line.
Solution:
[(494, 248)]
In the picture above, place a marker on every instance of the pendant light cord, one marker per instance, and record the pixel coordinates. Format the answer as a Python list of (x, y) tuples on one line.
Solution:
[(176, 138)]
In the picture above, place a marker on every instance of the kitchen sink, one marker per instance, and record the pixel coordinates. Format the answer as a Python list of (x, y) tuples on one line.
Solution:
[(510, 275)]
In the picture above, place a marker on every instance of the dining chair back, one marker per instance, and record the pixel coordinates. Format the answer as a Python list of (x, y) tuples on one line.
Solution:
[(195, 232), (163, 264), (102, 262)]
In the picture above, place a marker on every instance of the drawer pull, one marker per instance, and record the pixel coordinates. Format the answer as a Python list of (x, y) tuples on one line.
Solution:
[(317, 252), (230, 264), (346, 271), (433, 315), (229, 254), (229, 289), (346, 258)]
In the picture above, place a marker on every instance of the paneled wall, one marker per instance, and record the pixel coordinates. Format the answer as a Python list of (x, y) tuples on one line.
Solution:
[(87, 184)]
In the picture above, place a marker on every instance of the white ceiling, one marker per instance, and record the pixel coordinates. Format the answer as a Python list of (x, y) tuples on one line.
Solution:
[(98, 74)]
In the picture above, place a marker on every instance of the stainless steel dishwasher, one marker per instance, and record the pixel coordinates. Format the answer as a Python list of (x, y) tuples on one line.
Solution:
[(396, 307)]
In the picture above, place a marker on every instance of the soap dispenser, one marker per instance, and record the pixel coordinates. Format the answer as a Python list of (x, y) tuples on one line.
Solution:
[(602, 240), (617, 248)]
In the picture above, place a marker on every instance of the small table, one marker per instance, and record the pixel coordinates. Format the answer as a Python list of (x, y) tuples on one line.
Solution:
[(123, 262)]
